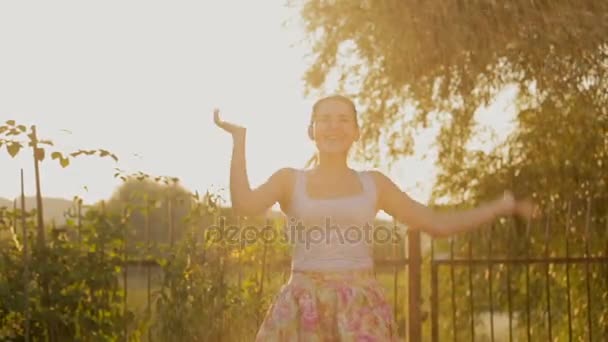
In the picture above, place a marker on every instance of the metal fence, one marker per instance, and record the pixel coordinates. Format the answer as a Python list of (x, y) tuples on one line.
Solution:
[(410, 264), (552, 279), (518, 270)]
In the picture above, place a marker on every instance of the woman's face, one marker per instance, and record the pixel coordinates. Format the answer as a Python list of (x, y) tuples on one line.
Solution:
[(334, 126)]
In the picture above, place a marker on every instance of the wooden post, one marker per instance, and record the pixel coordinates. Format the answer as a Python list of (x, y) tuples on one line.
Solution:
[(41, 239), (26, 262), (415, 261), (40, 225)]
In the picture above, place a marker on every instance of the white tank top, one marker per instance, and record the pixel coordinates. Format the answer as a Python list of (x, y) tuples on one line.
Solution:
[(331, 234)]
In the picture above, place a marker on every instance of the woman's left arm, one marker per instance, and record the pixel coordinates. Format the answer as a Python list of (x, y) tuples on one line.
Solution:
[(440, 224)]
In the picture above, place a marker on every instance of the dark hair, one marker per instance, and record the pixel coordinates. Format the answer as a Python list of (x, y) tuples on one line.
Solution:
[(340, 98), (315, 158)]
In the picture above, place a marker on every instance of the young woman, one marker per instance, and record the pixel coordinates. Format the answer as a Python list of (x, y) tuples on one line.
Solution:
[(332, 294)]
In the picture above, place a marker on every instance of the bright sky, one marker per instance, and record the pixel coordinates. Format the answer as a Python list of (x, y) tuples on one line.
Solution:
[(140, 78)]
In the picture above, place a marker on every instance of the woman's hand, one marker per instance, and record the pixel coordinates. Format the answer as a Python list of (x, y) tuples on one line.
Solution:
[(525, 208), (234, 130)]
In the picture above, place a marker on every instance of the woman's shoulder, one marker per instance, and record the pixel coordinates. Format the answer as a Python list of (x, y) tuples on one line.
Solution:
[(286, 176), (380, 179), (286, 172), (373, 172)]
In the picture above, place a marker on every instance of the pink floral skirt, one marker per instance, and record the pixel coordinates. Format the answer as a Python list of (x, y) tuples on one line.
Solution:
[(330, 306)]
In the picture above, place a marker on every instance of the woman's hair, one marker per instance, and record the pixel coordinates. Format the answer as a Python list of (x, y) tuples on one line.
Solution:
[(314, 160), (340, 98)]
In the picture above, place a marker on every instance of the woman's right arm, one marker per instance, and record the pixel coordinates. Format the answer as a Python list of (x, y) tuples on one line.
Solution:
[(247, 201)]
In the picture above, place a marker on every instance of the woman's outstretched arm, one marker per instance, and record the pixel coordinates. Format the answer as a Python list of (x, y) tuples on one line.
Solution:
[(247, 201), (440, 224)]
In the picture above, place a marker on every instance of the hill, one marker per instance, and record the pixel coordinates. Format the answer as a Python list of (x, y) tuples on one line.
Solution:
[(53, 208)]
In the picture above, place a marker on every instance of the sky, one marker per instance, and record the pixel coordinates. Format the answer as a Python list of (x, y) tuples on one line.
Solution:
[(141, 79)]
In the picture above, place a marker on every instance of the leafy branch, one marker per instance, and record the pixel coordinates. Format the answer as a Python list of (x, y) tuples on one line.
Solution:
[(11, 130)]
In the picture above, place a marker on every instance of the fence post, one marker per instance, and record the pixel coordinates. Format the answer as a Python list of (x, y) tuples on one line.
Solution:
[(147, 256), (395, 253), (41, 241), (39, 208), (26, 261), (415, 261), (434, 295)]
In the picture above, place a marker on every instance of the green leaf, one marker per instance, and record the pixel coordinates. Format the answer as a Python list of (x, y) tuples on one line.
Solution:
[(64, 162), (3, 129), (10, 122), (56, 155), (46, 142), (103, 153), (22, 128), (13, 148)]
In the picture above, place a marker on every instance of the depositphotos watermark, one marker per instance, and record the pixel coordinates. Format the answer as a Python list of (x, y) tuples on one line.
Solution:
[(297, 233)]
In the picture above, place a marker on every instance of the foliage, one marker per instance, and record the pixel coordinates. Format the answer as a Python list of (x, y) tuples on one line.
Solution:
[(151, 200), (13, 130), (447, 58), (81, 305)]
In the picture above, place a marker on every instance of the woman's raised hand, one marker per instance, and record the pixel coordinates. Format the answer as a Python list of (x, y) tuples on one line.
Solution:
[(234, 130), (525, 208)]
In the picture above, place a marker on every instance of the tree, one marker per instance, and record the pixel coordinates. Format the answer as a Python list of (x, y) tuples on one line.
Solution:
[(166, 202), (451, 57)]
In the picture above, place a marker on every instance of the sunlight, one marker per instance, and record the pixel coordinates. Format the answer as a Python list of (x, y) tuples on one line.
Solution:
[(161, 83), (158, 80)]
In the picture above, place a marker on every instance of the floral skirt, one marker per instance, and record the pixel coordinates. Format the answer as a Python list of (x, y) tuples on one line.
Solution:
[(330, 306)]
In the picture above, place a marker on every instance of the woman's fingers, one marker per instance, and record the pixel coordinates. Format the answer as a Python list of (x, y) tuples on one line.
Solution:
[(509, 200), (527, 209), (227, 126), (216, 115), (216, 118), (524, 208), (219, 122)]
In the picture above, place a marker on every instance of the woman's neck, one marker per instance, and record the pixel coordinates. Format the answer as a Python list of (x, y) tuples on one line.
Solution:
[(332, 164)]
